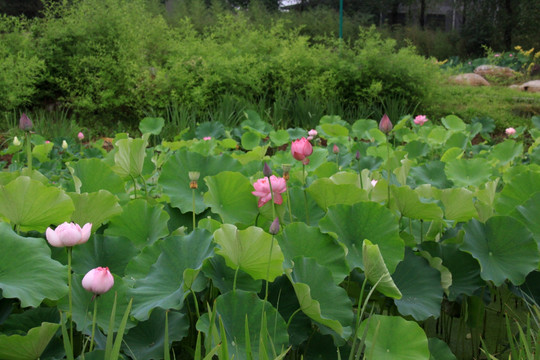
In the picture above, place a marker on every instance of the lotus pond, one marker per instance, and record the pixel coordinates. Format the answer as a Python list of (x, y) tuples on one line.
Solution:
[(367, 241)]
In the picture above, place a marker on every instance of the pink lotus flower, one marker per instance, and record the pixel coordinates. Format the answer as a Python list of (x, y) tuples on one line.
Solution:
[(25, 123), (312, 132), (420, 120), (510, 131), (98, 280), (374, 182), (385, 125), (335, 149), (301, 149), (262, 189), (68, 234), (206, 138), (80, 135)]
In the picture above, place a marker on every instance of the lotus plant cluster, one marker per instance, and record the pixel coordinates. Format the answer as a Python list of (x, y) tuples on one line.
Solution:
[(374, 238)]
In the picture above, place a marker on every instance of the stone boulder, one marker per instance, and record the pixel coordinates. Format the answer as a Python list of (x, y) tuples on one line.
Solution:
[(493, 70), (531, 86), (469, 79)]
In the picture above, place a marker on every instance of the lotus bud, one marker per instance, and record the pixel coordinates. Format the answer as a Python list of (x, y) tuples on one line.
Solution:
[(64, 144), (16, 141), (98, 280), (25, 123), (312, 133), (80, 135), (385, 125), (274, 227), (266, 170), (335, 149), (68, 234), (357, 155), (510, 131)]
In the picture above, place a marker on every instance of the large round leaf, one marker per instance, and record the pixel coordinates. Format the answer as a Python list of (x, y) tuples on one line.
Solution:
[(326, 193), (30, 346), (431, 172), (529, 214), (409, 204), (468, 172), (111, 251), (129, 158), (320, 298), (151, 125), (464, 268), (34, 206), (376, 271), (95, 208), (250, 250), (27, 271), (241, 309), (420, 286), (392, 337), (299, 239), (94, 175), (439, 350), (504, 248), (222, 276), (175, 180), (163, 286), (518, 188), (458, 204), (229, 195), (146, 340), (140, 222), (365, 220)]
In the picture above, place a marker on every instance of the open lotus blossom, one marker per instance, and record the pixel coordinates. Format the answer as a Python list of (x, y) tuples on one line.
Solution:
[(262, 189), (206, 138), (301, 149), (420, 120), (510, 131), (68, 234), (98, 280)]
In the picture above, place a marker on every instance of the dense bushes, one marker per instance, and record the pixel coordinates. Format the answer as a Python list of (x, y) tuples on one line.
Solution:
[(118, 59)]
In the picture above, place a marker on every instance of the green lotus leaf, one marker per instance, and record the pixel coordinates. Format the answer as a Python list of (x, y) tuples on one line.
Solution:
[(409, 205), (437, 136), (505, 152), (504, 248), (250, 140), (95, 208), (416, 149), (95, 175), (360, 128), (229, 195), (42, 151), (468, 172), (452, 122), (326, 193), (100, 250), (279, 138), (222, 276), (299, 239), (151, 125), (250, 250), (334, 130), (254, 122), (517, 189), (30, 346), (83, 305), (129, 158), (392, 337), (21, 323), (457, 140), (146, 340), (213, 129), (27, 271), (376, 271), (464, 268), (34, 206), (458, 204), (319, 298), (140, 222), (240, 311), (421, 287), (529, 213), (439, 350), (431, 172), (365, 220), (298, 206), (436, 263), (175, 180), (452, 153), (163, 285)]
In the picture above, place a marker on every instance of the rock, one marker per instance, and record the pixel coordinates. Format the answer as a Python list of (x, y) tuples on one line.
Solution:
[(493, 70), (469, 79), (531, 86)]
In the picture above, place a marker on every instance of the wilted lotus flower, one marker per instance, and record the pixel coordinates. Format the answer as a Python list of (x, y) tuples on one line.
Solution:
[(80, 135), (68, 234), (64, 144), (301, 149), (510, 131), (98, 280), (16, 141), (25, 123), (385, 125), (262, 189)]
